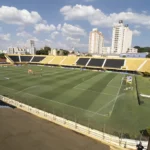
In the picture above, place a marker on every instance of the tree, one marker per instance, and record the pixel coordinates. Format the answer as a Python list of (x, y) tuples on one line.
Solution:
[(43, 51), (142, 49), (2, 55), (65, 52)]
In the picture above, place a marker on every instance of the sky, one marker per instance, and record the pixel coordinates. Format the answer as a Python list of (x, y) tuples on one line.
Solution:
[(66, 24)]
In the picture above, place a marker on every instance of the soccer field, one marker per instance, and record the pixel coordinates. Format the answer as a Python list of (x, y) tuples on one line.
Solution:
[(95, 99)]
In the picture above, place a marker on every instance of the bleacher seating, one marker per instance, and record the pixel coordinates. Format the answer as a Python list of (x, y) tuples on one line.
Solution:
[(57, 60), (82, 61), (38, 58), (145, 67), (129, 64), (47, 59), (70, 60), (14, 58), (25, 58), (114, 63), (96, 62), (133, 63)]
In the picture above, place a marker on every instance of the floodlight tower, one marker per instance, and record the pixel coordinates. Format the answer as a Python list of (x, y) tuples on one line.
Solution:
[(32, 48)]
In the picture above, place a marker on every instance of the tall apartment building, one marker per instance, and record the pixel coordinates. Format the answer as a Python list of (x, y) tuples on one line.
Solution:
[(121, 38), (96, 42)]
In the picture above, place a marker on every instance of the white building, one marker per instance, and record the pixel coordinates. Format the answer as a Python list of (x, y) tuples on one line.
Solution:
[(32, 48), (96, 42), (16, 50), (106, 50), (53, 52), (132, 50), (121, 38)]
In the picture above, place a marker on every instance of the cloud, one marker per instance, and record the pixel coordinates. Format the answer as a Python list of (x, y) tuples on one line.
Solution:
[(136, 32), (5, 37), (129, 10), (98, 18), (12, 15), (73, 40), (70, 30), (47, 40), (59, 27), (24, 34), (20, 28), (54, 34), (137, 26), (107, 41), (44, 27), (144, 12)]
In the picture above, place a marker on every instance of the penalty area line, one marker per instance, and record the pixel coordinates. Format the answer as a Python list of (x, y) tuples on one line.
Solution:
[(117, 96)]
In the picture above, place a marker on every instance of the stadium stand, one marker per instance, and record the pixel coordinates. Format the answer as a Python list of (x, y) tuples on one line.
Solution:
[(114, 63), (133, 63), (82, 61), (25, 58), (14, 58), (47, 59), (38, 58), (145, 67), (128, 64), (70, 60), (96, 62), (57, 60)]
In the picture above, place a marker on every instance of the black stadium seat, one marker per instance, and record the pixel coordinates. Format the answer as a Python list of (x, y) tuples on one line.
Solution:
[(25, 58), (38, 58), (82, 61), (96, 62), (14, 58), (114, 63)]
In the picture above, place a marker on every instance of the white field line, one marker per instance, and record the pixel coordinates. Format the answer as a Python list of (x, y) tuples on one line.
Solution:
[(25, 89), (103, 106), (94, 91), (58, 102), (85, 81), (106, 104), (117, 96)]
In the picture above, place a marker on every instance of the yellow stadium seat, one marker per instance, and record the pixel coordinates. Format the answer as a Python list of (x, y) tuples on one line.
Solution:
[(133, 63), (145, 67), (57, 60), (70, 60), (47, 59)]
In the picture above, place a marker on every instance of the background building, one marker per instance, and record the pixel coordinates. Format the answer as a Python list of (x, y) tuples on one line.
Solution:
[(16, 50), (106, 50), (96, 42), (132, 50), (121, 38), (32, 48)]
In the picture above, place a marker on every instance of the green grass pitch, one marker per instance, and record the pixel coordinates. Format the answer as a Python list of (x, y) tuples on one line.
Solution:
[(95, 99)]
